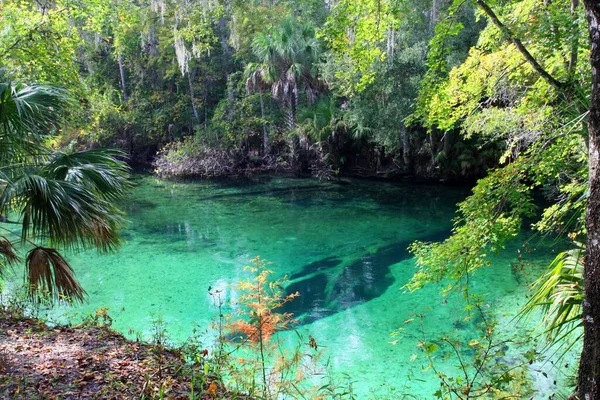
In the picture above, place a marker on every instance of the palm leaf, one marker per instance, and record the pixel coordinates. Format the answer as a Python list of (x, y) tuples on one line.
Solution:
[(65, 213), (64, 200), (97, 170), (47, 272), (559, 294), (8, 251), (26, 115), (288, 58)]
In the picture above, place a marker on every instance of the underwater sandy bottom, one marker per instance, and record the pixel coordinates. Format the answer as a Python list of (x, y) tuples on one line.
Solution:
[(344, 248)]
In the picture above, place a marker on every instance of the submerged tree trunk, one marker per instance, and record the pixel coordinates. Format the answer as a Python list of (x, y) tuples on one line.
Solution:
[(122, 73), (589, 367), (264, 125)]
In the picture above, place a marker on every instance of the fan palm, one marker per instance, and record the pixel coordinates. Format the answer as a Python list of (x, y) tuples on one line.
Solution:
[(324, 119), (559, 295), (288, 64), (59, 200)]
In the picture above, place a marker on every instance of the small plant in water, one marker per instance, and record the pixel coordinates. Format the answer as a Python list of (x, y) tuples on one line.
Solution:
[(484, 367)]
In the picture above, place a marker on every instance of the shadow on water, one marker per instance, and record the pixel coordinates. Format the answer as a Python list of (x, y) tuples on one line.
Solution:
[(329, 285)]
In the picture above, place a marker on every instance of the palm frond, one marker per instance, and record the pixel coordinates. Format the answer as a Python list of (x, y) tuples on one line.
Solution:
[(27, 113), (8, 252), (65, 213), (47, 272), (64, 200), (257, 77), (559, 293), (288, 58), (263, 47), (97, 170)]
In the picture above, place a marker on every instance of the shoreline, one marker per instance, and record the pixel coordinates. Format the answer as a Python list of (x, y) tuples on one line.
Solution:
[(94, 361)]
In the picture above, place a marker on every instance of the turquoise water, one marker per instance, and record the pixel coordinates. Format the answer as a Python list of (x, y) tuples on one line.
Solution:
[(343, 246)]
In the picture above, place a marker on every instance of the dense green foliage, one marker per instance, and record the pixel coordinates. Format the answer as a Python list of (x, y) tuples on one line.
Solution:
[(150, 73), (470, 89)]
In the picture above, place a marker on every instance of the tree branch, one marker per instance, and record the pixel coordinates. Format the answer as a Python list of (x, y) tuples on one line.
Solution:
[(519, 45)]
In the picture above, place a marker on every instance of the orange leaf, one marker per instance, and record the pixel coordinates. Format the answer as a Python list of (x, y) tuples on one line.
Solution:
[(212, 389)]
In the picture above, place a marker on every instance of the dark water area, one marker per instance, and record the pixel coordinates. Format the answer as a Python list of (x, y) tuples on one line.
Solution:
[(330, 286)]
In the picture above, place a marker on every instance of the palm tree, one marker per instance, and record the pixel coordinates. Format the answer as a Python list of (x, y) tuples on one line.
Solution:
[(59, 200), (287, 65), (326, 125), (325, 120), (558, 294)]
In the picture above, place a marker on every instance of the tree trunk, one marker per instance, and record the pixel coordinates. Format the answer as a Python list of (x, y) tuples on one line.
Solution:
[(129, 136), (405, 147), (432, 151), (589, 367), (122, 73), (291, 124), (391, 46), (434, 15), (230, 99), (264, 125), (447, 144), (295, 102), (575, 44), (227, 53), (519, 45), (291, 117), (191, 86)]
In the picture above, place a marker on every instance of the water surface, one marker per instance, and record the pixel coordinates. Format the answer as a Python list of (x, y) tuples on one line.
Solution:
[(342, 245)]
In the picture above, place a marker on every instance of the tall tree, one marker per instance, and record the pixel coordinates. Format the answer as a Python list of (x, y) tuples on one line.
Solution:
[(288, 64), (589, 367)]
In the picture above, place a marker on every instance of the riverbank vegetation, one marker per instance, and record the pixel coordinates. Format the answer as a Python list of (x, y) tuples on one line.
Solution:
[(502, 92), (244, 360)]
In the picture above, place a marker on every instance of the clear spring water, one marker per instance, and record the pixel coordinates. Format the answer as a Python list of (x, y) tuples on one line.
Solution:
[(343, 246)]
